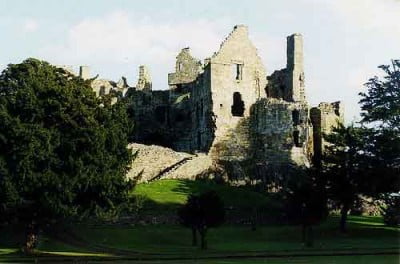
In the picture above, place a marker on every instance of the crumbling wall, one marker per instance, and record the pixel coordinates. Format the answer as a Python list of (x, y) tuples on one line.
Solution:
[(150, 113), (257, 128), (190, 100), (187, 68), (280, 139), (289, 84), (277, 85), (324, 117), (102, 86), (268, 146), (144, 81), (237, 80)]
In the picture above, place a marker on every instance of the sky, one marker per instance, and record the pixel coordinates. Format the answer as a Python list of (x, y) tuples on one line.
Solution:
[(344, 40)]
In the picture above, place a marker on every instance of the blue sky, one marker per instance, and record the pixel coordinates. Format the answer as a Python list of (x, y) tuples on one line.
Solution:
[(344, 40)]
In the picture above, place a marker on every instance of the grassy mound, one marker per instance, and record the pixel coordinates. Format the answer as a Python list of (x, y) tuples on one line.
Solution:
[(175, 192)]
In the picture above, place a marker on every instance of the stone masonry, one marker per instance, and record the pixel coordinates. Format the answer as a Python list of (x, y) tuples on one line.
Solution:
[(324, 117), (253, 126)]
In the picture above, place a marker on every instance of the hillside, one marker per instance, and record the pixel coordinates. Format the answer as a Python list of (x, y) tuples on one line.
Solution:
[(159, 200)]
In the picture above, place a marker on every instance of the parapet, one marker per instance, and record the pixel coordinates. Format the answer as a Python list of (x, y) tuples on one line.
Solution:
[(336, 108)]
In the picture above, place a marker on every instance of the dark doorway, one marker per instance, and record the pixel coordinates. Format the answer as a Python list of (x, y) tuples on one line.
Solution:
[(237, 108)]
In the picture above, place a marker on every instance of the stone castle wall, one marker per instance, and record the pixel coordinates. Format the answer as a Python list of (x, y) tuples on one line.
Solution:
[(251, 124), (324, 117)]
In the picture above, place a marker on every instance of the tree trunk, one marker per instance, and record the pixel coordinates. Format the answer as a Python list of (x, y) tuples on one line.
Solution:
[(304, 234), (343, 217), (203, 232), (194, 237), (254, 220), (31, 238), (310, 237)]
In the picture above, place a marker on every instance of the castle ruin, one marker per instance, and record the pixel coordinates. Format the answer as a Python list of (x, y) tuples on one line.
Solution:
[(256, 127)]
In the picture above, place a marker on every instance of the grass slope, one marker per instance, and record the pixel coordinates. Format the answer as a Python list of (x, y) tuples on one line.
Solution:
[(169, 194)]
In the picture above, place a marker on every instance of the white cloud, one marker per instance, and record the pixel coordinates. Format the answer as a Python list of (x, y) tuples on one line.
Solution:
[(120, 39), (123, 39), (30, 25)]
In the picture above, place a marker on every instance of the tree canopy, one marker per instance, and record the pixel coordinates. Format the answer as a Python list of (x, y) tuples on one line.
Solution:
[(381, 103), (365, 158), (63, 150)]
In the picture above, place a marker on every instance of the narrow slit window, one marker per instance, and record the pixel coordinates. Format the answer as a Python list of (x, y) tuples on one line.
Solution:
[(238, 71)]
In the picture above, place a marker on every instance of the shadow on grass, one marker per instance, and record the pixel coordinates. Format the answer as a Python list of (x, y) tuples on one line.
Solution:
[(366, 234), (164, 197)]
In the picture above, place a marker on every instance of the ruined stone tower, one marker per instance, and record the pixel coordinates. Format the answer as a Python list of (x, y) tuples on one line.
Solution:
[(324, 117), (144, 81), (84, 72), (295, 68)]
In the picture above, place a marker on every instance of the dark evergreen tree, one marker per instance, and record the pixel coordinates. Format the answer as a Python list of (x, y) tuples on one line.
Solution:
[(63, 151)]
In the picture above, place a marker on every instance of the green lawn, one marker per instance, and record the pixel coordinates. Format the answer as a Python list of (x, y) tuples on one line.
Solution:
[(366, 235), (175, 192), (388, 259)]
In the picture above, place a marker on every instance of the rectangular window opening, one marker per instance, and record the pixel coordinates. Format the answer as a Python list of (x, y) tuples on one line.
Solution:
[(238, 71)]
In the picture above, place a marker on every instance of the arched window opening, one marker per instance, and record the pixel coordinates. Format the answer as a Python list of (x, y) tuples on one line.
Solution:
[(237, 108)]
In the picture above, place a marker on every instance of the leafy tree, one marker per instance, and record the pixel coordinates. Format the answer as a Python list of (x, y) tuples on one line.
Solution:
[(63, 151), (381, 103), (200, 213), (391, 210), (366, 159), (380, 107), (345, 167)]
